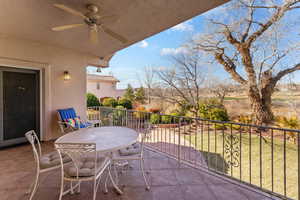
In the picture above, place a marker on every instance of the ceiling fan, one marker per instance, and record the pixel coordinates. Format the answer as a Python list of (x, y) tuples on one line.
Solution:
[(92, 19)]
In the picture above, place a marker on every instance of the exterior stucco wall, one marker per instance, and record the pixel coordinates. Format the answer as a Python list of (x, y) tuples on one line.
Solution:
[(107, 89), (53, 61)]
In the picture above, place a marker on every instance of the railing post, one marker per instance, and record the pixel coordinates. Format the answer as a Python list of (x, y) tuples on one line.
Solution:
[(179, 142), (99, 115), (126, 119)]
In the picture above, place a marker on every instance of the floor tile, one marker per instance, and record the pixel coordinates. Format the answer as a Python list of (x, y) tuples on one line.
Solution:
[(167, 178)]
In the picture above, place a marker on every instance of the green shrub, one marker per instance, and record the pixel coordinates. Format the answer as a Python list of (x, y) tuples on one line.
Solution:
[(126, 103), (291, 123), (166, 119), (110, 102), (244, 119), (213, 110), (175, 117), (120, 113), (120, 107), (92, 100), (219, 114), (154, 118)]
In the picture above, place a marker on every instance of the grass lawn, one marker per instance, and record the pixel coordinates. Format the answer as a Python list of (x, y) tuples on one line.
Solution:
[(234, 98), (215, 141)]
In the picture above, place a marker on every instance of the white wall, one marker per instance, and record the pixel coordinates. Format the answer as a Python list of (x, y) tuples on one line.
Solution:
[(53, 61), (107, 89)]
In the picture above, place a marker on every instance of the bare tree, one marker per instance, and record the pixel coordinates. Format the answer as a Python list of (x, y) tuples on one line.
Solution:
[(182, 83), (148, 81), (255, 46), (220, 88)]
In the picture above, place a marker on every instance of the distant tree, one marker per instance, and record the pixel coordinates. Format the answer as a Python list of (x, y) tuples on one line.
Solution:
[(256, 45), (220, 88), (140, 95), (110, 102), (148, 81), (126, 103), (92, 100), (182, 83), (129, 93)]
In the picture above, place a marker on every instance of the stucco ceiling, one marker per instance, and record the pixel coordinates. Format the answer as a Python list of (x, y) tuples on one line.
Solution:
[(139, 19)]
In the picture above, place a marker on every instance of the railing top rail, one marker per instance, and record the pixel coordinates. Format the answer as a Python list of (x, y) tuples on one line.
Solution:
[(208, 120)]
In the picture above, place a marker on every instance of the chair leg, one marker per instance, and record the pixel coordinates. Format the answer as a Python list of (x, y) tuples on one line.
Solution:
[(95, 189), (35, 185), (105, 183), (116, 173), (113, 182), (71, 187), (78, 190), (144, 175), (30, 189), (61, 187)]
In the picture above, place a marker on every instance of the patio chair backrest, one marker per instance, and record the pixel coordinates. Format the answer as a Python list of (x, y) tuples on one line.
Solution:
[(35, 143), (146, 129), (144, 133), (76, 151), (67, 113)]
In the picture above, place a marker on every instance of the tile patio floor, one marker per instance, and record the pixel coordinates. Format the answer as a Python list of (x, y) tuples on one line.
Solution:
[(168, 181)]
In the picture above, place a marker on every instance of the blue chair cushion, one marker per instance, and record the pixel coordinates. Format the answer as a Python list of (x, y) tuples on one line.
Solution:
[(84, 125), (66, 114), (81, 124)]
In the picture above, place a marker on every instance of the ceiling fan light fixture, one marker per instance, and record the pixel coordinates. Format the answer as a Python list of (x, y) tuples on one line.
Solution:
[(93, 8), (93, 19)]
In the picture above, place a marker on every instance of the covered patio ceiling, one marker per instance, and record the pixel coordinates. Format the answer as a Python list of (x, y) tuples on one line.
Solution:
[(138, 19)]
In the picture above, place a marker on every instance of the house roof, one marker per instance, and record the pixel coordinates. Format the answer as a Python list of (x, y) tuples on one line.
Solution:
[(33, 19), (101, 78)]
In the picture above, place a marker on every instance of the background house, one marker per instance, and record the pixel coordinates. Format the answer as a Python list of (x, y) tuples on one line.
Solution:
[(103, 86)]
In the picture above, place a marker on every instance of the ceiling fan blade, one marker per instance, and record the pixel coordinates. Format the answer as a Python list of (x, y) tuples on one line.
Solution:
[(109, 18), (65, 27), (113, 34), (70, 10), (94, 35)]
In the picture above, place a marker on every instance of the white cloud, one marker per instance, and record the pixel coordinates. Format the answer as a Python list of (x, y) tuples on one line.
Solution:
[(144, 44), (173, 51), (185, 26)]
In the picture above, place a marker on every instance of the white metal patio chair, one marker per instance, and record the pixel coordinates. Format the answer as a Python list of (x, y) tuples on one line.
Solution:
[(133, 152), (44, 163), (86, 165)]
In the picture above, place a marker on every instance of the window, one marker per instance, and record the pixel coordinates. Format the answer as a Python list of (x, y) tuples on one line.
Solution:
[(98, 86)]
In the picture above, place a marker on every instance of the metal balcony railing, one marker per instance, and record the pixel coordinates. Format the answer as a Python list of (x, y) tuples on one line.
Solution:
[(266, 158)]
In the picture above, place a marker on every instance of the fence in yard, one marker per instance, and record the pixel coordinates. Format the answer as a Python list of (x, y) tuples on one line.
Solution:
[(264, 157)]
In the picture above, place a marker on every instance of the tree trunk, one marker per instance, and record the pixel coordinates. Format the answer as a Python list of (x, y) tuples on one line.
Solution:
[(261, 106), (149, 98)]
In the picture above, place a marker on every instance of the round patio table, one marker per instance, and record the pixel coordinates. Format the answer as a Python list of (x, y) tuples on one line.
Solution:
[(106, 138)]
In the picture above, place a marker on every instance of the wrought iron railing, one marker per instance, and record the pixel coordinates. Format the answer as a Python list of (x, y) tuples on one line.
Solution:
[(263, 157)]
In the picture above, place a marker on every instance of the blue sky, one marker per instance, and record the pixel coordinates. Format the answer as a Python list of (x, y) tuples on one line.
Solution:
[(128, 64)]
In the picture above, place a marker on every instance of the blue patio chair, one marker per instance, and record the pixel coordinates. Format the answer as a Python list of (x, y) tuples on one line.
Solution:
[(66, 116)]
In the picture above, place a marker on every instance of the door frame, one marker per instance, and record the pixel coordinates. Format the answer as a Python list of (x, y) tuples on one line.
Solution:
[(38, 96), (44, 85)]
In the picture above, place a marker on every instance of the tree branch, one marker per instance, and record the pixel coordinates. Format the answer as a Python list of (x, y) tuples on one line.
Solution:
[(230, 67), (280, 12), (285, 72)]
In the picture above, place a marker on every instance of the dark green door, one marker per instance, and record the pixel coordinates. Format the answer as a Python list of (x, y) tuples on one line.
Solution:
[(20, 102)]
